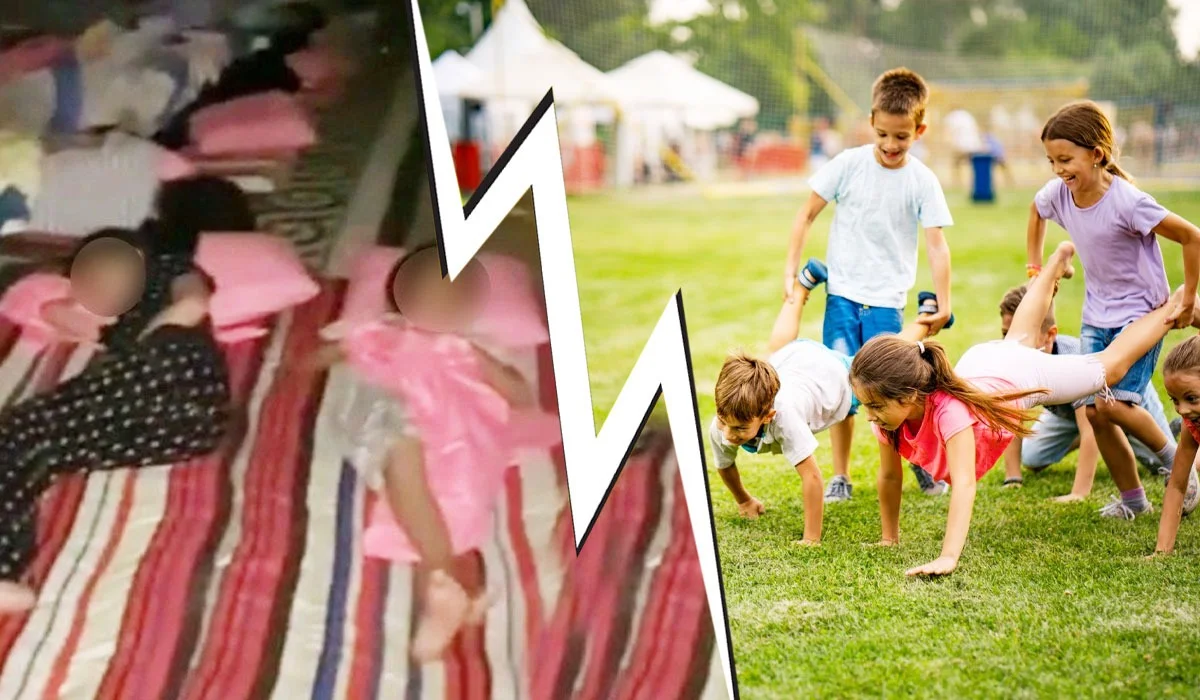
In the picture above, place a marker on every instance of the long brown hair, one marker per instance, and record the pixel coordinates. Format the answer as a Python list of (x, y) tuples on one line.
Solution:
[(892, 368), (1085, 125)]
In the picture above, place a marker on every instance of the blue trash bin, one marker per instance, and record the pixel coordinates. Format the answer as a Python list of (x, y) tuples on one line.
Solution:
[(981, 167)]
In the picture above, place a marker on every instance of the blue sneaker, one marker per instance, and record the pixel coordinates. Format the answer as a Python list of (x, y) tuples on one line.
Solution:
[(927, 304), (814, 273)]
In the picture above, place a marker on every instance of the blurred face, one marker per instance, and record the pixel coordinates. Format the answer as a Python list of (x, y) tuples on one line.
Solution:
[(108, 276), (894, 135), (890, 414), (738, 432), (432, 302), (1045, 339), (1184, 390), (1076, 165)]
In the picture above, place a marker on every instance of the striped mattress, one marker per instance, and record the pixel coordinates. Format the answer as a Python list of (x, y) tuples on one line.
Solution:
[(241, 575)]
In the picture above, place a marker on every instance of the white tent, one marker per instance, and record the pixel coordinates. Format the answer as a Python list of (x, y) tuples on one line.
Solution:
[(660, 82), (520, 63), (453, 73)]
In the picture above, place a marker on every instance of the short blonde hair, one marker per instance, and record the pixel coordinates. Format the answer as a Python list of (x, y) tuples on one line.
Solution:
[(902, 92), (746, 388)]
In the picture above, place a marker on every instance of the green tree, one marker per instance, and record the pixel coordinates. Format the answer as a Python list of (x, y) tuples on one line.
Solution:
[(751, 45), (605, 33)]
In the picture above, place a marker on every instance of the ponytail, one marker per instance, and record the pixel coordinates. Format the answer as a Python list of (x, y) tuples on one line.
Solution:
[(892, 368), (1117, 170)]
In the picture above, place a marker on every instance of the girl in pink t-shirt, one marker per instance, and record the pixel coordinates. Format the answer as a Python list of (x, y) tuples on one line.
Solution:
[(921, 406), (1181, 375)]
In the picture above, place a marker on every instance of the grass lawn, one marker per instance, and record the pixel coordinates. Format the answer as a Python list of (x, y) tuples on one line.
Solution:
[(1049, 600)]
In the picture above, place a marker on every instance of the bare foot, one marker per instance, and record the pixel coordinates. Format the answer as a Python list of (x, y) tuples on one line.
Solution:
[(1060, 262), (1069, 498), (808, 543), (16, 597), (446, 609), (751, 509), (478, 611)]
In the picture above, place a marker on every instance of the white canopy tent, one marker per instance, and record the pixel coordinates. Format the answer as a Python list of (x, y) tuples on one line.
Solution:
[(665, 99), (452, 73), (518, 64), (660, 82)]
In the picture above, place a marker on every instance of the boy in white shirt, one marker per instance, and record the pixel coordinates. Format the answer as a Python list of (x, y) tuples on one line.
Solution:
[(883, 195), (777, 405)]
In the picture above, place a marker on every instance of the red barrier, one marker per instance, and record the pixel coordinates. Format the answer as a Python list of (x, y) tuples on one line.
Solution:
[(466, 162)]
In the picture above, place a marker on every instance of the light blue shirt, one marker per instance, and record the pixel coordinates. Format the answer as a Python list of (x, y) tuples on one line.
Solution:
[(872, 255)]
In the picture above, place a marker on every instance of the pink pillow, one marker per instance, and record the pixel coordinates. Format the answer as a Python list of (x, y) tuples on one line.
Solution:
[(22, 304), (172, 166), (32, 55), (513, 316), (257, 275), (317, 68), (264, 123)]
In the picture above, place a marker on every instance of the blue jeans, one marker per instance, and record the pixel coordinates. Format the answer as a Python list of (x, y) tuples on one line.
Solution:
[(1053, 436), (1135, 382), (848, 324)]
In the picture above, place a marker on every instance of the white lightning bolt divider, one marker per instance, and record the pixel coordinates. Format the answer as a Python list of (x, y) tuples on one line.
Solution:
[(533, 160)]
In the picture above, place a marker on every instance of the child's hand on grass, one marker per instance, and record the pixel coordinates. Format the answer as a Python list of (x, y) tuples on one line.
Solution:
[(938, 567), (1069, 498), (751, 509)]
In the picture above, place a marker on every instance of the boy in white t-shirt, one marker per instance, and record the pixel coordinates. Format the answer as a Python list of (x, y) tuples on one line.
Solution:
[(883, 196), (777, 405)]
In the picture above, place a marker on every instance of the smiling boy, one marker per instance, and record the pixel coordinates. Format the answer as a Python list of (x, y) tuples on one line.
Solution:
[(883, 196)]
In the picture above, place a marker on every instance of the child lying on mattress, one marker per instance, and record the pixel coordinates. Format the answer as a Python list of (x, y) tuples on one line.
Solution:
[(156, 391), (443, 422)]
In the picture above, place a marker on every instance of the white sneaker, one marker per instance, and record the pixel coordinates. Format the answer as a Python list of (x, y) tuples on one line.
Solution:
[(1191, 497)]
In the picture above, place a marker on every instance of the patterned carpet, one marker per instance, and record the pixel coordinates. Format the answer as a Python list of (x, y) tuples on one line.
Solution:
[(311, 209)]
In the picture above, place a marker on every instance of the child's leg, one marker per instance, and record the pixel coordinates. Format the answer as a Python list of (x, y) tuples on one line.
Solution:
[(1027, 321), (841, 435), (787, 323), (1138, 338), (445, 603)]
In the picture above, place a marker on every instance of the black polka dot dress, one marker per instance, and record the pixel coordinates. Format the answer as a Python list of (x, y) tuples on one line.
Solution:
[(150, 401)]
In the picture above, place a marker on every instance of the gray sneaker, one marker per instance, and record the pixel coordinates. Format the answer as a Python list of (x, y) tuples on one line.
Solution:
[(1119, 509), (925, 480), (839, 490), (1191, 497)]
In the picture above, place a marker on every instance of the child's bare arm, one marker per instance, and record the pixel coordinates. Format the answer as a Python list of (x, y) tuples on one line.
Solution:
[(190, 294), (960, 457), (939, 262), (891, 481), (814, 500), (1186, 234), (506, 380), (1035, 237), (800, 228), (1168, 525)]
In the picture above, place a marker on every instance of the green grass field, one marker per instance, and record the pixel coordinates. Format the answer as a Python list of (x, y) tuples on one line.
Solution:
[(1049, 600)]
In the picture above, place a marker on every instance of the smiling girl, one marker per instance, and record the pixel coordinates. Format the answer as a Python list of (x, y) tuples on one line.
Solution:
[(1114, 226), (957, 420)]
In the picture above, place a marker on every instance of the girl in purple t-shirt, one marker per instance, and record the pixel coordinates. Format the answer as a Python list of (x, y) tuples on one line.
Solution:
[(1113, 225)]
